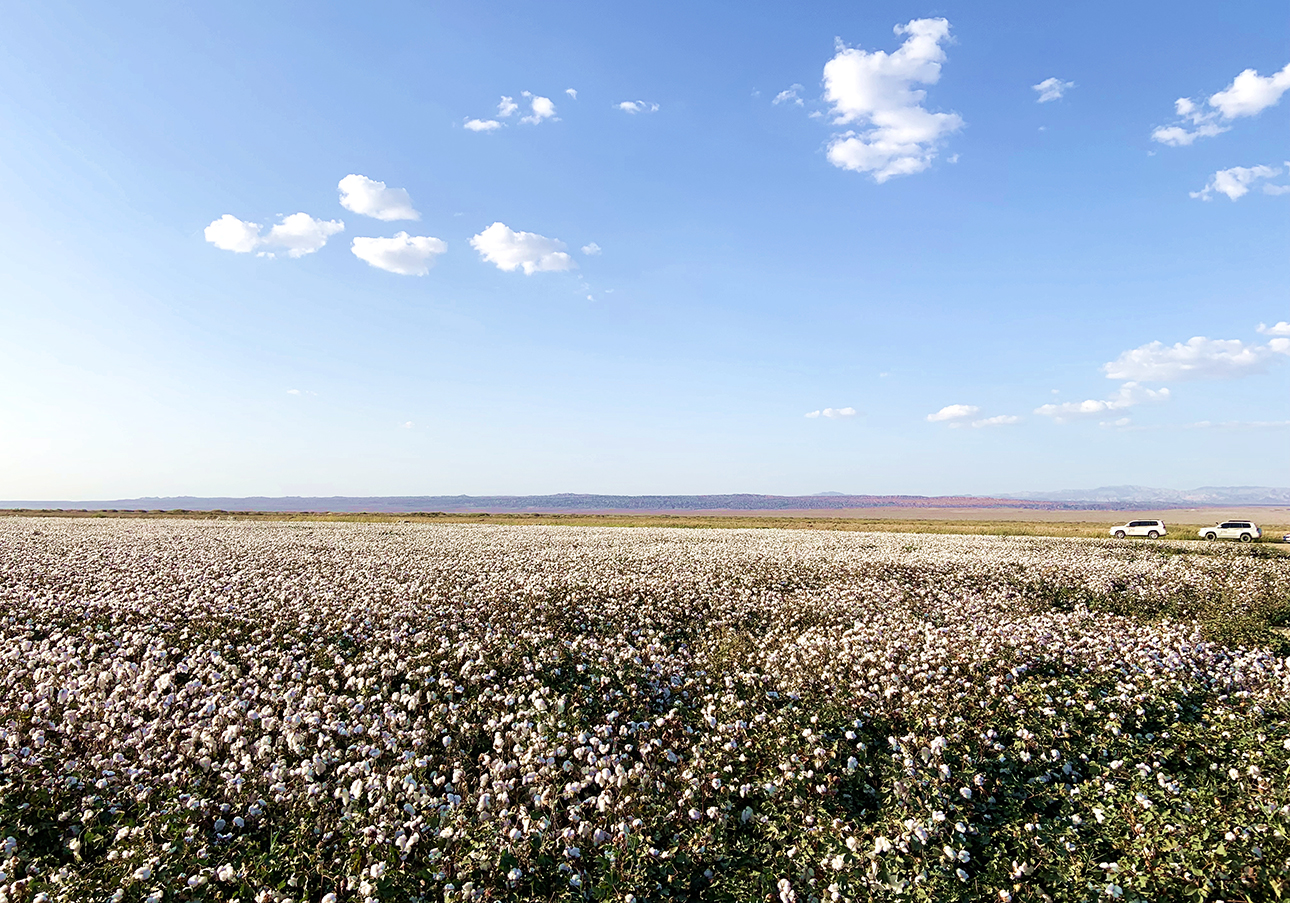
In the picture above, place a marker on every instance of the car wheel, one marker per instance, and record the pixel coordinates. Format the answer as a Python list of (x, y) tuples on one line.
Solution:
[(1245, 537), (1211, 536), (1153, 535), (1119, 534)]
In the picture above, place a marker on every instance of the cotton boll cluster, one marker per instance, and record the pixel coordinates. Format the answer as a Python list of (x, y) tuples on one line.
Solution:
[(352, 712)]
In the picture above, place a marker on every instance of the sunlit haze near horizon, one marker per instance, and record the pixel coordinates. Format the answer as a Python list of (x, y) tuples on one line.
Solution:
[(511, 248)]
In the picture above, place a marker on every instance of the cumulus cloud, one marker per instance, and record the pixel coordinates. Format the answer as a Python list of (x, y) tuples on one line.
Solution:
[(1129, 394), (789, 95), (894, 135), (1248, 95), (638, 106), (298, 234), (540, 108), (482, 125), (509, 250), (228, 233), (591, 249), (1282, 328), (1236, 182), (371, 198), (1052, 89), (1197, 358), (833, 413), (407, 255), (953, 412), (507, 106)]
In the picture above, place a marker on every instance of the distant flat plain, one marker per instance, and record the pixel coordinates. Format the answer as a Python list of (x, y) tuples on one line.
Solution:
[(1274, 520)]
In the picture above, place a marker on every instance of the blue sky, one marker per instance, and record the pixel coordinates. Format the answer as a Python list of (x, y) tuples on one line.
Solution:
[(963, 282)]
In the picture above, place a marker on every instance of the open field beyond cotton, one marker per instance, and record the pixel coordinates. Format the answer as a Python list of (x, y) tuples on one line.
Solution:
[(307, 711)]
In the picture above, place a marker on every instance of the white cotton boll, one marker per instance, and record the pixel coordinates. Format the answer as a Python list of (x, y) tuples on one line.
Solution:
[(143, 873), (225, 872), (328, 897)]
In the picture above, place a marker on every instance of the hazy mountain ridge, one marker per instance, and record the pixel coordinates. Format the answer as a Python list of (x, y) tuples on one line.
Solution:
[(1205, 495), (1104, 498)]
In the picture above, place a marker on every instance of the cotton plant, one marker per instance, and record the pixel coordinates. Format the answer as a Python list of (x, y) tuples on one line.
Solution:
[(344, 712)]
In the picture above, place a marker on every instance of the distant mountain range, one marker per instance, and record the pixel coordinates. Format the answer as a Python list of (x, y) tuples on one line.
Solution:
[(1205, 495), (1104, 498)]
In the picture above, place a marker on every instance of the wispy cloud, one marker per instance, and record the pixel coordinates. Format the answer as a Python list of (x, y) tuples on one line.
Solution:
[(833, 413), (591, 249), (638, 106), (997, 420), (572, 92), (789, 95), (1236, 182), (1129, 395), (1248, 95), (1052, 89)]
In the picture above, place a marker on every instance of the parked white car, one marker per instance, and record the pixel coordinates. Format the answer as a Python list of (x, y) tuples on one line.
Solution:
[(1232, 529), (1151, 529)]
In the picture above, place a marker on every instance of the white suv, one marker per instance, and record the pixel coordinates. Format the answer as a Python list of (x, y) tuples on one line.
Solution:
[(1152, 529), (1233, 529)]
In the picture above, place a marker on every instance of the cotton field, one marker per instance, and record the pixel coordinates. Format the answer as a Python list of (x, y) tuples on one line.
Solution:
[(222, 710)]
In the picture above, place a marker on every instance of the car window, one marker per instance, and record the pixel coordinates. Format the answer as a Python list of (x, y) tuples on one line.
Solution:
[(1226, 526)]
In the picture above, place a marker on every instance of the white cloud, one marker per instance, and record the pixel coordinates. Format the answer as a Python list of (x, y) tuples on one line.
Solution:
[(293, 391), (407, 255), (407, 425), (789, 95), (1052, 89), (298, 234), (371, 198), (1248, 95), (999, 420), (897, 135), (833, 413), (572, 92), (1282, 328), (1197, 358), (482, 125), (510, 250), (591, 249), (541, 107), (1129, 394), (228, 233), (1236, 182), (953, 412), (638, 106), (507, 107)]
